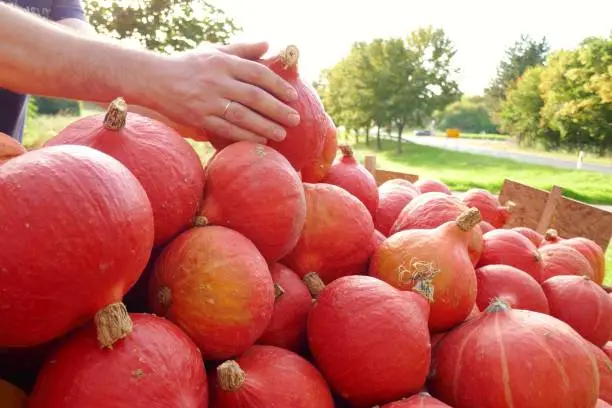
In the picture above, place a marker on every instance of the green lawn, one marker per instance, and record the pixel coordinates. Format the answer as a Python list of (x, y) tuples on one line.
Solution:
[(462, 171), (486, 136)]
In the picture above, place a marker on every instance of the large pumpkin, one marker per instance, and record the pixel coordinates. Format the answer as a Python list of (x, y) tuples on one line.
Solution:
[(315, 170), (393, 196), (512, 358), (155, 366), (604, 363), (9, 148), (303, 142), (420, 400), (489, 206), (561, 259), (214, 284), (76, 233), (338, 233), (252, 189), (370, 340), (442, 254), (165, 164), (268, 376), (582, 304)]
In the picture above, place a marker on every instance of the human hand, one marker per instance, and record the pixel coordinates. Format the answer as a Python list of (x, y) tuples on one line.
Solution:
[(221, 89)]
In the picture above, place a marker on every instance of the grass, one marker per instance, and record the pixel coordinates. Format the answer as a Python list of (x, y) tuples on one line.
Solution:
[(462, 171), (484, 136), (459, 170)]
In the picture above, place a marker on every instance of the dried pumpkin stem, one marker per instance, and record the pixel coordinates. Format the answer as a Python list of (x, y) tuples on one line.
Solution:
[(164, 297), (551, 234), (112, 323), (278, 291), (200, 221), (346, 150), (314, 283), (468, 219), (230, 376), (497, 305), (420, 275), (289, 56), (116, 115), (510, 206)]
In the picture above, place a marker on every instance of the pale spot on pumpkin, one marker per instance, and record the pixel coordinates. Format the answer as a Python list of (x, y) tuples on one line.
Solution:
[(138, 373), (105, 266), (210, 301)]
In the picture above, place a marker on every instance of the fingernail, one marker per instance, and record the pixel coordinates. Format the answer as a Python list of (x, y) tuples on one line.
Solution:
[(292, 94), (294, 119), (279, 134)]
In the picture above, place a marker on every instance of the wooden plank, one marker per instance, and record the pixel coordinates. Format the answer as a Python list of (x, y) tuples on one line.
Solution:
[(370, 164), (573, 218), (386, 175), (529, 203), (551, 204)]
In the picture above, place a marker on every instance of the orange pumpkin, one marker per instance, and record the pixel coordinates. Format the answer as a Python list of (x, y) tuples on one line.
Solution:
[(9, 148)]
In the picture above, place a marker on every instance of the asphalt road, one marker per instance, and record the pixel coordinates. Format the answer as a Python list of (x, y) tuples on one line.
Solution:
[(464, 145)]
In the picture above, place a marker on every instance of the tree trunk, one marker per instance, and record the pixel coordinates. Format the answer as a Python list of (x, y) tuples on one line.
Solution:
[(378, 142), (400, 130), (356, 137), (367, 136)]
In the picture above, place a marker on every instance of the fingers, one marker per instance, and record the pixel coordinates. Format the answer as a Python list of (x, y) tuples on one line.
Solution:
[(262, 102), (245, 118), (227, 130), (263, 77), (250, 51)]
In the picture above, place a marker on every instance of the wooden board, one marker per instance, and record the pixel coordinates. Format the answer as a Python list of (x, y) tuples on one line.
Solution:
[(573, 218), (529, 203), (385, 175)]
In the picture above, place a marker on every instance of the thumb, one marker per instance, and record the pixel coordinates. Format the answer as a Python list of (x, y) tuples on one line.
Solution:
[(251, 51)]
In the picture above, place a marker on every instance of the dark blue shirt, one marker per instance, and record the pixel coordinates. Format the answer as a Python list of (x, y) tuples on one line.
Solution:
[(13, 106)]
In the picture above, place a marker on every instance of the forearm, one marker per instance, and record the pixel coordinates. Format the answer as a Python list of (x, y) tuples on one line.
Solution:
[(40, 58)]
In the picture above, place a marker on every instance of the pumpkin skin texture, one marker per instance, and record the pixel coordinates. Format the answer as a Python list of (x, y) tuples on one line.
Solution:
[(604, 365), (214, 284), (485, 227), (489, 206), (535, 237), (155, 366), (303, 142), (315, 170), (431, 186), (252, 189), (287, 328), (268, 376), (9, 148), (507, 247), (163, 162), (393, 196), (516, 287), (346, 172), (559, 259), (514, 358), (592, 252), (430, 210), (441, 251), (582, 304), (421, 400), (103, 238), (338, 233), (366, 366), (11, 396)]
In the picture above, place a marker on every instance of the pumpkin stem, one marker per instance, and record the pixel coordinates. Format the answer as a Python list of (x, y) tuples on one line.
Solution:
[(164, 297), (230, 376), (200, 221), (289, 57), (497, 305), (314, 283), (346, 150), (116, 115), (278, 291), (510, 206), (537, 255), (551, 234), (112, 323), (468, 219)]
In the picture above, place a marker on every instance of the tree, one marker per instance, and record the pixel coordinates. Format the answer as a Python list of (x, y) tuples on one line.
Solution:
[(470, 114), (161, 25), (523, 54)]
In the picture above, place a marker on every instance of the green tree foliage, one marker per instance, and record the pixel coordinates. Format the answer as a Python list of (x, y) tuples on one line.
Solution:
[(161, 25), (566, 103), (523, 54), (391, 83), (54, 106), (469, 115)]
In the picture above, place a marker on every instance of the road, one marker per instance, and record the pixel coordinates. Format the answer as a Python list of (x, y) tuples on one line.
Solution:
[(468, 146)]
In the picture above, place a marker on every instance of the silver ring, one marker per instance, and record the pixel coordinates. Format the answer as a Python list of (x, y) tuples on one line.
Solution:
[(226, 109)]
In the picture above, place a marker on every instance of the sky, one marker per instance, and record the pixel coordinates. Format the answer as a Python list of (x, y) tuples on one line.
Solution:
[(481, 30)]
